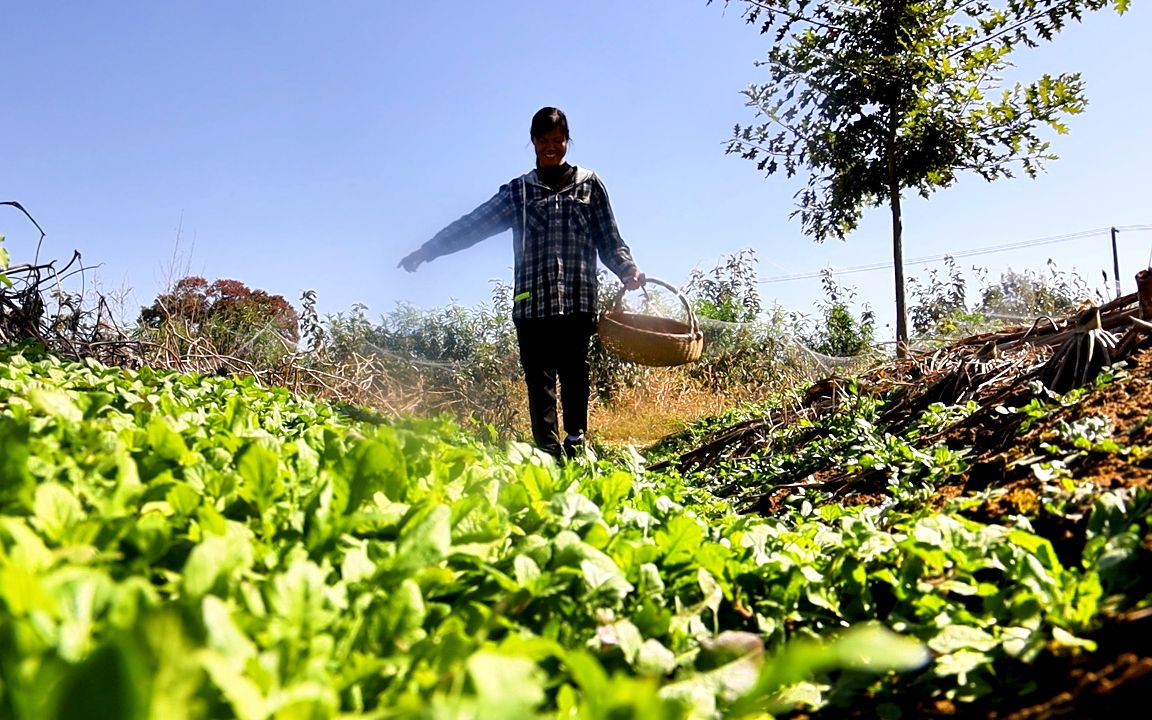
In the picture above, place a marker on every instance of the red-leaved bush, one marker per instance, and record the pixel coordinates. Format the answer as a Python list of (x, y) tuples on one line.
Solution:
[(233, 316)]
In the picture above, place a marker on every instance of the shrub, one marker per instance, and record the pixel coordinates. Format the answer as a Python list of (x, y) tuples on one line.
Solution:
[(461, 360), (840, 333), (237, 321), (728, 292), (941, 311), (747, 352), (940, 304), (1028, 295)]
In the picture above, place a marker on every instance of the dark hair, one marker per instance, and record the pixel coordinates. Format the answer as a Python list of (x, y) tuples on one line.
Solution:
[(548, 119)]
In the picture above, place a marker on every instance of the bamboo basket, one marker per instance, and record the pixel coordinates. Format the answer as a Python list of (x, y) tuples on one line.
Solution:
[(651, 339)]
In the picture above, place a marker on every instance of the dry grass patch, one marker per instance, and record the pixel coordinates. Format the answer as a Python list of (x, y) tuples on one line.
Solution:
[(664, 404)]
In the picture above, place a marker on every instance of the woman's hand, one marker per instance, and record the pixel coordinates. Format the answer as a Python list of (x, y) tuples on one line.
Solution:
[(413, 260), (635, 280)]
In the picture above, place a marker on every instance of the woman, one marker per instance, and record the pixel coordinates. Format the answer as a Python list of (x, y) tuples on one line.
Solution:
[(561, 220)]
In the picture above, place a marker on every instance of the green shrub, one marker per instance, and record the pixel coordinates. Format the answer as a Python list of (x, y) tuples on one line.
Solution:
[(941, 310), (1029, 294), (839, 333), (461, 360)]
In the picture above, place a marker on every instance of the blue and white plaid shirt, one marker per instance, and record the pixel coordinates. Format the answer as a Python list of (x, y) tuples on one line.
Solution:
[(556, 235)]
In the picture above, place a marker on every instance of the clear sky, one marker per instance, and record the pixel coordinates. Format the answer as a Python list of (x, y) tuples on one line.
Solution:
[(305, 145)]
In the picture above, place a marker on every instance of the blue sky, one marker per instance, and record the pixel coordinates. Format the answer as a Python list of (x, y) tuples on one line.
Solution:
[(302, 145)]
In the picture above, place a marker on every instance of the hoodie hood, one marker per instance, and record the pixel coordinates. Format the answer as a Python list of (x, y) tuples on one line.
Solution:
[(580, 175)]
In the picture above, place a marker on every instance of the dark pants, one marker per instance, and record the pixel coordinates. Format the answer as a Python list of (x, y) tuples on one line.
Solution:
[(554, 347)]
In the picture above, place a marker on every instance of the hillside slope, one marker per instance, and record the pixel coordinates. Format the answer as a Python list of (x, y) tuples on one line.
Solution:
[(1021, 445)]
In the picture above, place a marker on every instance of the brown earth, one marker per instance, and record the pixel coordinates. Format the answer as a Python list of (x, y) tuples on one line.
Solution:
[(995, 370), (1116, 679)]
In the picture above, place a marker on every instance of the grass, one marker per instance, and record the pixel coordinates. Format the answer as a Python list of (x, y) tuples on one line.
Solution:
[(664, 404)]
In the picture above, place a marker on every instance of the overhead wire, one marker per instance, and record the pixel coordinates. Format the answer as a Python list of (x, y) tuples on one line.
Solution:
[(963, 253)]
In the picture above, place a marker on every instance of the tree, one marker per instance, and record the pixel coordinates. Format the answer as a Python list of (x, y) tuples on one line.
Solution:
[(236, 319), (878, 97)]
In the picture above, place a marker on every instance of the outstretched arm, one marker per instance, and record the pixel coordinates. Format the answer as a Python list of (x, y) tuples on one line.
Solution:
[(491, 218)]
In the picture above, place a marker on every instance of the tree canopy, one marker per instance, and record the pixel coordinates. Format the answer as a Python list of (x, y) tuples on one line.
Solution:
[(880, 97)]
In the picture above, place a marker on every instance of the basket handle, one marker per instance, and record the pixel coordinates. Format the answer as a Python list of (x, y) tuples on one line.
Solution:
[(692, 321)]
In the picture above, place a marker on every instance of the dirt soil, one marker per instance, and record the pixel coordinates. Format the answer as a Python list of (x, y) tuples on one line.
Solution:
[(995, 369), (1116, 679)]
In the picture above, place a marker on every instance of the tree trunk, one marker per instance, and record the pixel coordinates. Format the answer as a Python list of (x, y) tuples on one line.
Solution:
[(897, 237)]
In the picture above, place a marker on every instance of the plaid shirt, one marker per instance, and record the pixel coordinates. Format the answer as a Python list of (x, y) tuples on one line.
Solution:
[(556, 236)]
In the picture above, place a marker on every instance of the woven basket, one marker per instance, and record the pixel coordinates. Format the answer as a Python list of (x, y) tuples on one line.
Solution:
[(651, 339)]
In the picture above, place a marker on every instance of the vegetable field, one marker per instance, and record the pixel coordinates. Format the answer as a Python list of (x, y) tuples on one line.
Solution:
[(177, 546)]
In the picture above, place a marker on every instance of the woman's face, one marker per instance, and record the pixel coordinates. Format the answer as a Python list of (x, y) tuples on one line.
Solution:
[(550, 148)]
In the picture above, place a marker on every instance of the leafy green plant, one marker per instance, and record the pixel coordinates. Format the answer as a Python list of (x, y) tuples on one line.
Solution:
[(1028, 294), (273, 555), (4, 264), (938, 416), (838, 332), (190, 547)]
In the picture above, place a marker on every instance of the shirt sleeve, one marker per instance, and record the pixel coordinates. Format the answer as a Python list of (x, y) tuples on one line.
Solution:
[(613, 251), (491, 218)]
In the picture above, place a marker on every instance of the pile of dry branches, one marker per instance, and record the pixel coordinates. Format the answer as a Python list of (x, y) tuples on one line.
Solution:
[(35, 306), (1063, 354), (988, 369)]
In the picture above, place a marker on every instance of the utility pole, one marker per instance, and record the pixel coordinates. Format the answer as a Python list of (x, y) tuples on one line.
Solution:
[(1115, 263)]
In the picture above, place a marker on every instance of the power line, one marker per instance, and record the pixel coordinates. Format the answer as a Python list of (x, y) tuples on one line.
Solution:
[(964, 253)]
